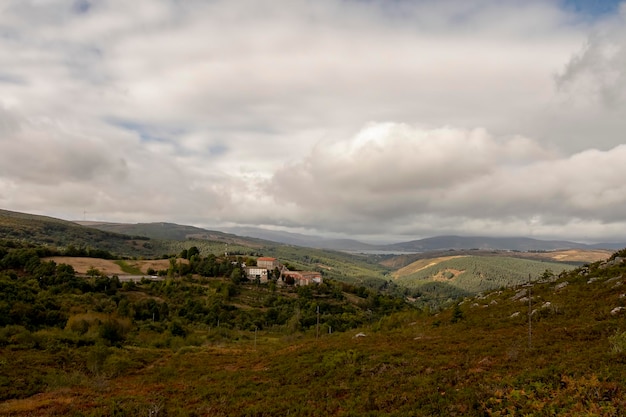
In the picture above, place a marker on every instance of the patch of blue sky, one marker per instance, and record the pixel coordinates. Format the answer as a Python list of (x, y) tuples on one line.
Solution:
[(160, 134), (592, 9), (81, 6), (218, 149), (147, 133)]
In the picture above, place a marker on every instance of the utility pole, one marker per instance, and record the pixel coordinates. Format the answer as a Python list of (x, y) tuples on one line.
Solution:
[(530, 313), (317, 329), (255, 329)]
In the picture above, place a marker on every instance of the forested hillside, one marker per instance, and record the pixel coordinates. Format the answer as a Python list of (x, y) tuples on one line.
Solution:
[(61, 234), (457, 276)]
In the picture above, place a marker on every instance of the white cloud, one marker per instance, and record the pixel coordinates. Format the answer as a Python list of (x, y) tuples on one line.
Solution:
[(390, 172), (238, 112)]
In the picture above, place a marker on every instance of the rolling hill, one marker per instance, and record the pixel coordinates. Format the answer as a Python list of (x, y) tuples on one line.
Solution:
[(63, 234), (153, 240), (494, 243), (173, 231), (451, 277), (170, 239), (431, 244)]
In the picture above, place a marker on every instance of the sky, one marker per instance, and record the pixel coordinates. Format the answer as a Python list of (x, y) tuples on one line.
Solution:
[(381, 120)]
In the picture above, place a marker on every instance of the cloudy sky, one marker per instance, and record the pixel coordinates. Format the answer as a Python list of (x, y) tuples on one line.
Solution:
[(377, 119)]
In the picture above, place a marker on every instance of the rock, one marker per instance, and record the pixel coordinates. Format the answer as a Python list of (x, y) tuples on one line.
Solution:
[(516, 314), (519, 295), (561, 286), (617, 310), (360, 335)]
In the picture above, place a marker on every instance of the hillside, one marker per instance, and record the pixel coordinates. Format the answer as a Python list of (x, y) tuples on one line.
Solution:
[(439, 243), (301, 239), (172, 231), (63, 234), (438, 279), (476, 359), (571, 256), (68, 238), (372, 271), (430, 244)]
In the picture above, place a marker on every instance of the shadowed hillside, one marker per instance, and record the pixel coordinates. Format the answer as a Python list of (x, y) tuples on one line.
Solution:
[(172, 231), (63, 234)]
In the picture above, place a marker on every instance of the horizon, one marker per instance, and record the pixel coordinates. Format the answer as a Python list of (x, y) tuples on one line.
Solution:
[(372, 120), (233, 230)]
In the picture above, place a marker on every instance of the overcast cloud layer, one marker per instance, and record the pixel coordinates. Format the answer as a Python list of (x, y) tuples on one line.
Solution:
[(382, 120)]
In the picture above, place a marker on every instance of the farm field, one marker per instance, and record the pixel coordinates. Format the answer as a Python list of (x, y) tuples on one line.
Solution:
[(107, 266)]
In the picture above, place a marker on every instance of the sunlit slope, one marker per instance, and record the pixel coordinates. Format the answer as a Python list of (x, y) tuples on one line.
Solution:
[(457, 276)]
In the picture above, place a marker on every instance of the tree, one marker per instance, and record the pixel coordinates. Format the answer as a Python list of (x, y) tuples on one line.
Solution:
[(457, 314), (112, 331), (236, 275), (177, 329), (93, 272), (192, 251)]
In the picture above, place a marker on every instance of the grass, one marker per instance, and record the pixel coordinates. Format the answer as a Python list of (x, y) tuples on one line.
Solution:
[(129, 269)]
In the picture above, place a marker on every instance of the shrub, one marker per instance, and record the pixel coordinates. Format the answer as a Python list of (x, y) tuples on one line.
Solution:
[(113, 330)]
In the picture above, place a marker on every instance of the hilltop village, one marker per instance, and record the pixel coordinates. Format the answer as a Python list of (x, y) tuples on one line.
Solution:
[(270, 268)]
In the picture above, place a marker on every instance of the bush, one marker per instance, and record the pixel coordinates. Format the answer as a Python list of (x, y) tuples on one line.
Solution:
[(113, 331)]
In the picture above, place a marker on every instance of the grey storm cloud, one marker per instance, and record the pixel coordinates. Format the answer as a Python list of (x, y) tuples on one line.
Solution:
[(365, 118)]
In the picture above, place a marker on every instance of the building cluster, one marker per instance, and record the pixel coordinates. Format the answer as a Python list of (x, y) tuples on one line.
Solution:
[(270, 267)]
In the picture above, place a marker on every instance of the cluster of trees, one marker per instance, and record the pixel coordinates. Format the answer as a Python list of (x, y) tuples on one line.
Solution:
[(190, 262), (37, 293)]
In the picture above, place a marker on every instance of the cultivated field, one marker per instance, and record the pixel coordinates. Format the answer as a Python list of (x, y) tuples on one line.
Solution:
[(106, 266)]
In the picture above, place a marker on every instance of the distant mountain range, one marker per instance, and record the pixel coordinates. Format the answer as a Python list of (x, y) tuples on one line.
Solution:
[(23, 225), (438, 243), (252, 236)]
